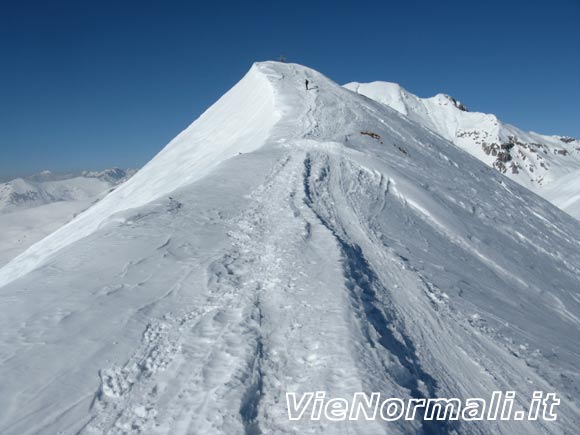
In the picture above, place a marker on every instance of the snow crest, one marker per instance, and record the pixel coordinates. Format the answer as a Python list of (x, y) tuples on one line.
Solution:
[(223, 131), (347, 248)]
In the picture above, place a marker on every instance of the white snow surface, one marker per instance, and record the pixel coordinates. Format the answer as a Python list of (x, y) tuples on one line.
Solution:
[(536, 161), (48, 188), (33, 207), (222, 132), (565, 193), (291, 241), (20, 229)]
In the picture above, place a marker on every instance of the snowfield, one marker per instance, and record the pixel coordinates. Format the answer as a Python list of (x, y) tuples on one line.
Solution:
[(31, 208), (47, 188), (565, 193), (293, 240)]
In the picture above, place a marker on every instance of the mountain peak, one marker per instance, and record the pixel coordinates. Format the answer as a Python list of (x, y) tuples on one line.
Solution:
[(531, 159), (445, 98), (296, 237)]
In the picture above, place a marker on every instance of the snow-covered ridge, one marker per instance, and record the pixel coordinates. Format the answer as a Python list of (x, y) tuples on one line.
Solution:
[(532, 159), (217, 135), (347, 248)]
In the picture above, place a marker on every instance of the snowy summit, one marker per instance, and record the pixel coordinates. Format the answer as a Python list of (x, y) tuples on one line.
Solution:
[(297, 237)]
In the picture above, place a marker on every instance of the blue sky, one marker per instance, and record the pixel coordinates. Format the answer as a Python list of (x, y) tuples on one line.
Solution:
[(94, 84)]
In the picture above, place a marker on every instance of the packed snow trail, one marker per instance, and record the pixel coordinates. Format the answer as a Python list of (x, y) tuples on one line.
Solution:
[(345, 249), (232, 350)]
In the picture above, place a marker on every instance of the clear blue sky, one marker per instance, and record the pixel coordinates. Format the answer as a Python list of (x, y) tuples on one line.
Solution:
[(93, 84)]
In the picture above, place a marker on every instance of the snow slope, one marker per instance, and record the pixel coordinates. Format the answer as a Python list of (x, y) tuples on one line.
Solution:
[(220, 133), (31, 208), (565, 193), (531, 159), (20, 229), (345, 249)]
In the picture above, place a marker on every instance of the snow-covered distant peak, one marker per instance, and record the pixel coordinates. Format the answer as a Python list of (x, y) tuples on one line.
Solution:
[(112, 175), (444, 100), (390, 94), (47, 187), (403, 101), (532, 159)]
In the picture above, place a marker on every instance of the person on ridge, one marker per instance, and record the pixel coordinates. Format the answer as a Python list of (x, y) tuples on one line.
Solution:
[(306, 83)]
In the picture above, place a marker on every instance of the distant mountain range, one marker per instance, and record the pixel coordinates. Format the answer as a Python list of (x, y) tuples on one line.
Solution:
[(33, 207), (47, 187)]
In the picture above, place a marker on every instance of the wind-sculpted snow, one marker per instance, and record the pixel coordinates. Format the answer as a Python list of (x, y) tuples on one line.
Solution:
[(346, 249), (222, 132)]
